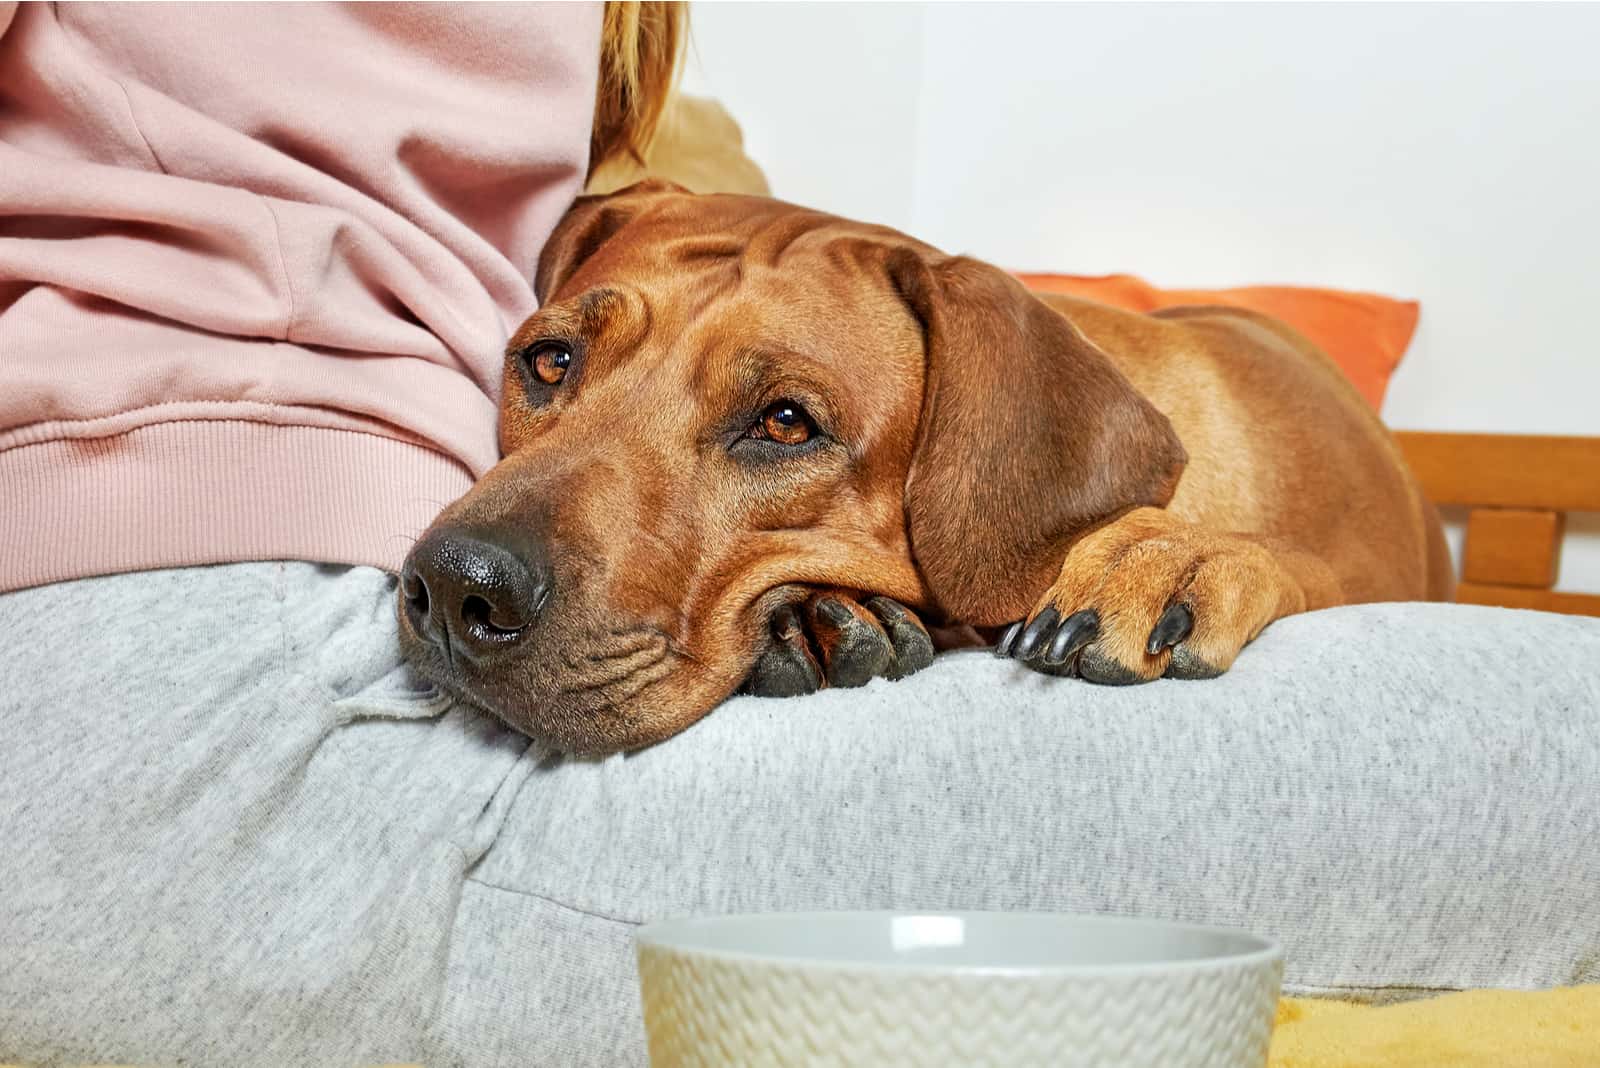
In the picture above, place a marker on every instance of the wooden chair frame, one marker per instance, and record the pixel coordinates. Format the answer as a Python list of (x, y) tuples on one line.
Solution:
[(1519, 489)]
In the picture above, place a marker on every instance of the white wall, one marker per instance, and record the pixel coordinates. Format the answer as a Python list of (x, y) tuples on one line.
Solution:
[(827, 94), (1445, 152)]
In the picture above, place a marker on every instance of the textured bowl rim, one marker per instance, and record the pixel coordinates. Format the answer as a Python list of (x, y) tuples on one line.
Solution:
[(664, 935)]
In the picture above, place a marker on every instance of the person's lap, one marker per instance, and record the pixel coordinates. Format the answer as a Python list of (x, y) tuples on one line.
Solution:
[(237, 832), (235, 827)]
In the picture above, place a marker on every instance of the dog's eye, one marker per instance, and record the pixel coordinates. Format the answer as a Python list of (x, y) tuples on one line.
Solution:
[(785, 423), (550, 360)]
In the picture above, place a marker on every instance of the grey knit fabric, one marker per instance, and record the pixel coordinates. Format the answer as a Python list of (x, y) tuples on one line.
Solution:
[(237, 832)]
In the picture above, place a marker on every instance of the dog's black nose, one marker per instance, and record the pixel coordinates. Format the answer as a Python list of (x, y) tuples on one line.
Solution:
[(478, 593)]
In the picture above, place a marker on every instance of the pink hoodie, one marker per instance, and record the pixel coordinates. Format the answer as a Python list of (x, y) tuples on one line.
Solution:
[(257, 268)]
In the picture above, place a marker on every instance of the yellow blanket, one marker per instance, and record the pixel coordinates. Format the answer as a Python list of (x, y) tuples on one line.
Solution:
[(1473, 1029)]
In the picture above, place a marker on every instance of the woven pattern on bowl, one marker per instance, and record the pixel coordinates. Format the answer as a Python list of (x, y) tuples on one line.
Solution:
[(705, 1010)]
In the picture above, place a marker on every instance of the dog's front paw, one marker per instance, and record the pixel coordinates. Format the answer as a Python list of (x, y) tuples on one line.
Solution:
[(1148, 596), (832, 639)]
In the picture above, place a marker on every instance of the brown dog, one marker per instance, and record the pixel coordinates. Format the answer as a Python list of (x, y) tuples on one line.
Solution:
[(730, 410)]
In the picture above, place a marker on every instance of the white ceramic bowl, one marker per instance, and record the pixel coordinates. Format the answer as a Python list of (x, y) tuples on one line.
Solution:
[(955, 989)]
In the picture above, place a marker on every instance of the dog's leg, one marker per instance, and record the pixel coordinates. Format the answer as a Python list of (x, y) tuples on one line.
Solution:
[(1149, 595), (832, 639)]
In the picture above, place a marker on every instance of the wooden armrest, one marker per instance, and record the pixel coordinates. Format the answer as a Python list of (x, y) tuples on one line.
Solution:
[(1506, 470), (1519, 488)]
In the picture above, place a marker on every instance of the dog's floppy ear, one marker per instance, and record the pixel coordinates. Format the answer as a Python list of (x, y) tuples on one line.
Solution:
[(588, 224), (1029, 438)]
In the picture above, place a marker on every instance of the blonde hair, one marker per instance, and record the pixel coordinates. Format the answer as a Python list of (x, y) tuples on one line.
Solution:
[(641, 45)]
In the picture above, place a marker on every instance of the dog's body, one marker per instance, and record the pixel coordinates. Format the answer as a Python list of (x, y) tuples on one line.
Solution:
[(732, 413), (1279, 443), (1294, 496)]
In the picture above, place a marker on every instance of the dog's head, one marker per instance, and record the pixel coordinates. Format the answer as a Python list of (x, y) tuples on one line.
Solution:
[(724, 399)]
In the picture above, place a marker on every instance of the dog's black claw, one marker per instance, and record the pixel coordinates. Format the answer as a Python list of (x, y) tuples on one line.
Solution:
[(834, 611), (1078, 630), (1173, 626), (833, 640), (786, 624), (1035, 632), (912, 645), (1008, 639)]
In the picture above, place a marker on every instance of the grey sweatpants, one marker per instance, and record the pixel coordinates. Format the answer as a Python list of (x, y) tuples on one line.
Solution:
[(234, 827), (234, 831)]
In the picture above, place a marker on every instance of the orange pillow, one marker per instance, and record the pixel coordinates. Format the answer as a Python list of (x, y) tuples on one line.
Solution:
[(1366, 334)]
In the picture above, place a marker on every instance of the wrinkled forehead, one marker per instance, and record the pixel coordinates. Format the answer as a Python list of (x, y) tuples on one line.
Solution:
[(798, 300)]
